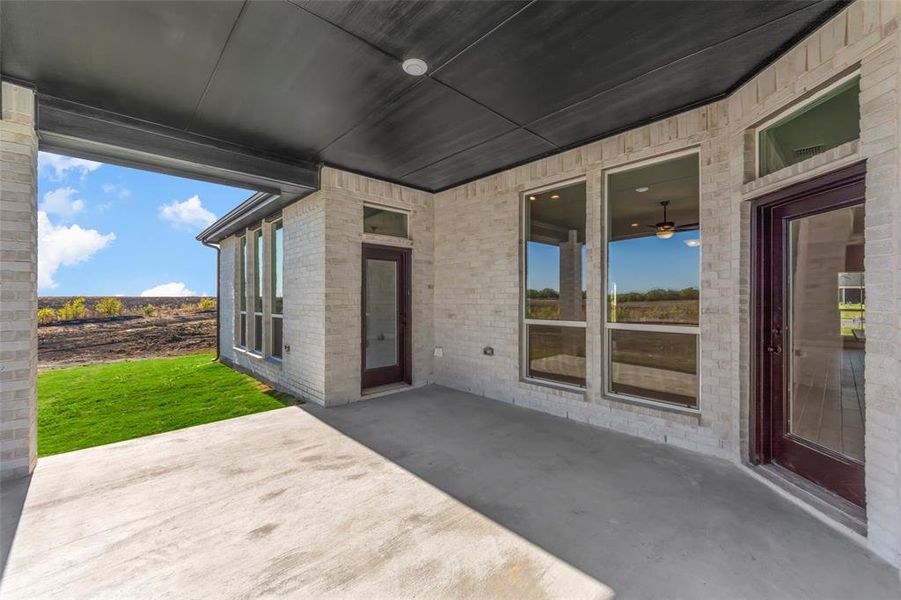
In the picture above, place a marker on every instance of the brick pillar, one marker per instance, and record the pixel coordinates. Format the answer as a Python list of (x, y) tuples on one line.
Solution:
[(18, 283), (571, 278)]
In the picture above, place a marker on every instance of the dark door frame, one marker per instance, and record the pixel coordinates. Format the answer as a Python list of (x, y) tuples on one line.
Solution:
[(403, 372), (837, 189)]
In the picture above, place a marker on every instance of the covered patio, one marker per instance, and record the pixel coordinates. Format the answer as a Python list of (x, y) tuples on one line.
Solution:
[(427, 493)]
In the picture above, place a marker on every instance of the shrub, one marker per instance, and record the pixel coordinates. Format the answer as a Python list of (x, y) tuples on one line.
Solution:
[(206, 304), (72, 310), (46, 316), (109, 307), (148, 310)]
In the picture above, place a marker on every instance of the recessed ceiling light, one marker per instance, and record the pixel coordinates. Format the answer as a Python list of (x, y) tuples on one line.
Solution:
[(415, 67), (555, 196), (532, 198), (634, 224), (642, 190), (692, 243)]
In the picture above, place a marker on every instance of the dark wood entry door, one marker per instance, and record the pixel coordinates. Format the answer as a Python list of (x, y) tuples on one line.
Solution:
[(810, 335), (386, 316)]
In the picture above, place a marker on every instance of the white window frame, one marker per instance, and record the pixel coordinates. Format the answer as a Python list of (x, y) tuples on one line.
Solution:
[(524, 322), (261, 282), (272, 270), (606, 326), (242, 275), (790, 110)]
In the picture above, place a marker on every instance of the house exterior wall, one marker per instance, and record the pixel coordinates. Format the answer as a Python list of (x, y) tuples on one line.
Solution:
[(322, 302), (466, 246), (345, 195), (477, 258), (301, 370), (18, 294)]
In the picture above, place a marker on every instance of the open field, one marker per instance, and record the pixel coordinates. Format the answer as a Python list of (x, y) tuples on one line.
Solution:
[(91, 405), (176, 328)]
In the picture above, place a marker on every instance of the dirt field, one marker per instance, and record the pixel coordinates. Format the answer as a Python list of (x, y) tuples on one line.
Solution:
[(175, 330)]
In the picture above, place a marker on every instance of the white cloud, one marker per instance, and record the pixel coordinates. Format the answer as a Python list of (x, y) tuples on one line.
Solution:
[(62, 202), (174, 288), (189, 214), (120, 191), (58, 166), (64, 246)]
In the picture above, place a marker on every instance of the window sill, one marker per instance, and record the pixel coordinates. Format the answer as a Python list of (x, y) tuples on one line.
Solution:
[(572, 389), (661, 406)]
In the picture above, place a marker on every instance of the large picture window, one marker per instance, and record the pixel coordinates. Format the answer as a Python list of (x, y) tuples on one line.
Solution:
[(277, 292), (554, 290), (653, 276)]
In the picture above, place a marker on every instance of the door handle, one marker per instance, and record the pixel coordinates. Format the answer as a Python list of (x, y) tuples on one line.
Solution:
[(777, 349)]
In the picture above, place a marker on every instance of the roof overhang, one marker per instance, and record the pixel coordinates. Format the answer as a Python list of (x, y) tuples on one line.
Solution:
[(508, 81), (257, 208), (70, 128)]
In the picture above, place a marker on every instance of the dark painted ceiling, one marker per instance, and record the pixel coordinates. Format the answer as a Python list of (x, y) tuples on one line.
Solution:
[(508, 81)]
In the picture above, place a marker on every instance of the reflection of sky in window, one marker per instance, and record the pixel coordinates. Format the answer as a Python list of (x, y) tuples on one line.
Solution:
[(642, 264), (544, 266), (279, 262)]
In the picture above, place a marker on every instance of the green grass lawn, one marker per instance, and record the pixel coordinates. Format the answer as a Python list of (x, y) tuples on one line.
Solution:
[(91, 405)]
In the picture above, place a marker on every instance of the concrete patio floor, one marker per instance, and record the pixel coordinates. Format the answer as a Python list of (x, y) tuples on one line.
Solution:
[(427, 493)]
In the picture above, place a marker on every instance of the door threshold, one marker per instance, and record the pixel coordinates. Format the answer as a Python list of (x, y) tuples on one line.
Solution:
[(383, 390), (829, 505)]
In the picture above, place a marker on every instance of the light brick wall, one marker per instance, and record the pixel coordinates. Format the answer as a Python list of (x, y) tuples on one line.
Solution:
[(323, 303), (18, 283), (466, 251), (301, 371), (477, 257), (345, 194)]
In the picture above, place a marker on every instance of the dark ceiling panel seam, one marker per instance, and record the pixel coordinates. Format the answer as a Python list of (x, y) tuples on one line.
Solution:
[(662, 67), (391, 100), (488, 108), (346, 32), (399, 59), (790, 44), (483, 36), (209, 80), (467, 149)]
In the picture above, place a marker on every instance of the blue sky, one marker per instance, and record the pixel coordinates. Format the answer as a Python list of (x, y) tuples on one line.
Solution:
[(109, 230), (636, 265)]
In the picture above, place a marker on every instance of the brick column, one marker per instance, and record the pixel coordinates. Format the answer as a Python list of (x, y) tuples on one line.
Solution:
[(571, 278), (18, 283)]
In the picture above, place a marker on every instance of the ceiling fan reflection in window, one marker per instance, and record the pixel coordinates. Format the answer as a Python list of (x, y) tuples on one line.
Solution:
[(665, 229)]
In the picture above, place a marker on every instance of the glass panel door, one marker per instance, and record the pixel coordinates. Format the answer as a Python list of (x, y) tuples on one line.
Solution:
[(385, 320), (827, 332), (381, 313), (810, 331)]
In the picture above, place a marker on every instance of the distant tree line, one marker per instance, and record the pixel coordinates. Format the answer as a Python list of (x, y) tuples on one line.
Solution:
[(689, 293), (545, 294)]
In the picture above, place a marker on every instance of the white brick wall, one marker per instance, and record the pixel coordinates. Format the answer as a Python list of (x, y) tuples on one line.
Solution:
[(466, 251), (302, 369), (477, 265), (322, 305), (18, 291)]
